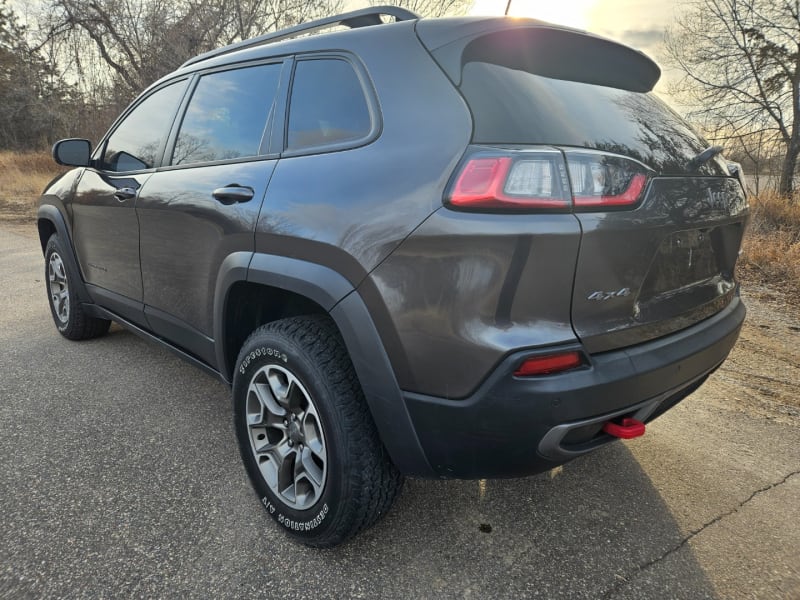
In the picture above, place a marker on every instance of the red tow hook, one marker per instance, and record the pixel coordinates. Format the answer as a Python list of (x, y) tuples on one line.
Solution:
[(626, 429)]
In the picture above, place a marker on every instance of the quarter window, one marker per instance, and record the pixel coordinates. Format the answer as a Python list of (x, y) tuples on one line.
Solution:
[(137, 142), (328, 105), (227, 115)]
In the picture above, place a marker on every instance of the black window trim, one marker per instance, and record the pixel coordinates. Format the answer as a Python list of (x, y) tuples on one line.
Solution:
[(97, 155), (370, 96), (277, 114)]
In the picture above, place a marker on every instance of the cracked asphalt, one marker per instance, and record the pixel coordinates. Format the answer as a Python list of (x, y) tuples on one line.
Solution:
[(120, 477)]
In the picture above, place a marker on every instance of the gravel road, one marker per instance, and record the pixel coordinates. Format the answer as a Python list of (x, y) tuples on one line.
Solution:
[(119, 476)]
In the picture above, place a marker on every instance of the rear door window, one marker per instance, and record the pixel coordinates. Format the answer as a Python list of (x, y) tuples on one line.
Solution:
[(227, 115), (328, 106)]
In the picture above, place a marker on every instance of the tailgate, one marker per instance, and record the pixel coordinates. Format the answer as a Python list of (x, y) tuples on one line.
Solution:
[(668, 264)]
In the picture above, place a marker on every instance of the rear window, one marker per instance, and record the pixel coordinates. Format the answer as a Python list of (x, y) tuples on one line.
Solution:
[(512, 106)]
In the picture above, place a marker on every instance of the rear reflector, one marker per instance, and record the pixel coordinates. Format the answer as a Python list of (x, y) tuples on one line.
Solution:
[(548, 364), (626, 429)]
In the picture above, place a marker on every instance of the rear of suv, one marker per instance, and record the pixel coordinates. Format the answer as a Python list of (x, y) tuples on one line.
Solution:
[(470, 247)]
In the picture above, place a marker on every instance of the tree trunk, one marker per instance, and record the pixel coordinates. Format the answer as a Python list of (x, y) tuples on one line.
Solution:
[(786, 186)]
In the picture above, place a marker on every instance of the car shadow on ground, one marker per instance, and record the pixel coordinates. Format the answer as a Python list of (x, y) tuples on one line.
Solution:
[(589, 529)]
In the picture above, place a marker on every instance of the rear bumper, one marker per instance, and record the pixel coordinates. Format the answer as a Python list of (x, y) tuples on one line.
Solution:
[(512, 427)]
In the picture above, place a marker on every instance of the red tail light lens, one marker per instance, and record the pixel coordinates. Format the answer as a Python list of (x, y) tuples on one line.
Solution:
[(514, 181), (605, 181), (549, 364)]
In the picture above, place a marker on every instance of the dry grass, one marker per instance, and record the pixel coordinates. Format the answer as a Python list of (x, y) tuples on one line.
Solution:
[(23, 176), (771, 249)]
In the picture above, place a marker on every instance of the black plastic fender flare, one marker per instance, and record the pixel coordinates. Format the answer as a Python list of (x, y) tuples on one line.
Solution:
[(51, 213), (337, 296)]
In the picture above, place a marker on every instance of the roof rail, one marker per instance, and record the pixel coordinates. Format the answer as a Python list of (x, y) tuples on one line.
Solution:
[(356, 18)]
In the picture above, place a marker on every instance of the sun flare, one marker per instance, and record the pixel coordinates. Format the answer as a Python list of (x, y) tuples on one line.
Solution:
[(573, 13)]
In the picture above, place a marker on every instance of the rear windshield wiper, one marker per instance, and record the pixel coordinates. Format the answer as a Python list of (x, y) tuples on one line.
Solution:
[(702, 158)]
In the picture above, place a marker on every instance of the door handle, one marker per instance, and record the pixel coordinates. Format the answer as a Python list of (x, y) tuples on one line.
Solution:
[(233, 193), (125, 193)]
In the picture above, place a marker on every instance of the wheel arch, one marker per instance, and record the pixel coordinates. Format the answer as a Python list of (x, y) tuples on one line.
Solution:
[(303, 287), (49, 220)]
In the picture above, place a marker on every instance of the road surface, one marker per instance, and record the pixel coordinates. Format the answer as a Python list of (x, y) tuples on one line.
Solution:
[(119, 476)]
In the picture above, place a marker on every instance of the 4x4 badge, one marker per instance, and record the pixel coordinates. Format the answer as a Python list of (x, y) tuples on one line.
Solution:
[(609, 295)]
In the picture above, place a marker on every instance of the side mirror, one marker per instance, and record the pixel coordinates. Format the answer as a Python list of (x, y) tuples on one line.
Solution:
[(72, 152)]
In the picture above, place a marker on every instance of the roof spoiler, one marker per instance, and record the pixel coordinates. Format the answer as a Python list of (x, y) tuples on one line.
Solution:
[(537, 47)]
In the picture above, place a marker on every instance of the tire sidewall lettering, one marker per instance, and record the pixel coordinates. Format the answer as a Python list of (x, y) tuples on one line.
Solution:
[(262, 352), (294, 524)]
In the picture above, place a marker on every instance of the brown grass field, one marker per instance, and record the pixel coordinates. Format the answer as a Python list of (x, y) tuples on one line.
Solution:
[(23, 176), (770, 254), (771, 249)]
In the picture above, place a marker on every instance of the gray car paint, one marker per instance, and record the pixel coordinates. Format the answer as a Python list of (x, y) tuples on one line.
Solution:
[(450, 294)]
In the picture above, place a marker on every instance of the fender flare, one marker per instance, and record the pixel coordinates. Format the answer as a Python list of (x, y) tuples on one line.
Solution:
[(51, 213), (338, 297)]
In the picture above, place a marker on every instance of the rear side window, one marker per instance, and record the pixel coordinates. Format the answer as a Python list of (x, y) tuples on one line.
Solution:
[(327, 105), (137, 142), (227, 115)]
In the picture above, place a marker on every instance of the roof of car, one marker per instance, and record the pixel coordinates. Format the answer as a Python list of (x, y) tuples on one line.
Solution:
[(354, 19)]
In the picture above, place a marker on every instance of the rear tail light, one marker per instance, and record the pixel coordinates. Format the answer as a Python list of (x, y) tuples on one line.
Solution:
[(540, 179), (522, 180), (602, 181), (548, 364)]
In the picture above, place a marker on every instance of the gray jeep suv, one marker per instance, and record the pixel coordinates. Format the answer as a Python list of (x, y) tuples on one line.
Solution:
[(468, 247)]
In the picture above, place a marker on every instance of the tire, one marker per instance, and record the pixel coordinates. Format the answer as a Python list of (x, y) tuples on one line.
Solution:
[(323, 475), (68, 314)]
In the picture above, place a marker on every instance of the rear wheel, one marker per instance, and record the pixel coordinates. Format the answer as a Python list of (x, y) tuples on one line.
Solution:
[(305, 434), (68, 314)]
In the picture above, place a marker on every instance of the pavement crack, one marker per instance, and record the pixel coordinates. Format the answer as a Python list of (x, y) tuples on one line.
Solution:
[(623, 580)]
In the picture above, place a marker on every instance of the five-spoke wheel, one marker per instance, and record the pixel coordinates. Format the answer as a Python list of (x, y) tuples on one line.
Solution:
[(58, 287), (63, 285), (286, 436), (307, 439)]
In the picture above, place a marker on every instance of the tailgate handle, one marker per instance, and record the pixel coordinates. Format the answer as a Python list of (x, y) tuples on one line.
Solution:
[(233, 193)]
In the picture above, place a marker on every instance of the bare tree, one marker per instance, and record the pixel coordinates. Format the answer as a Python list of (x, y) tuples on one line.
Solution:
[(741, 66), (36, 103), (431, 8), (138, 41)]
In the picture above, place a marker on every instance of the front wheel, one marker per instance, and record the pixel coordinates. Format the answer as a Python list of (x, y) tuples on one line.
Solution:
[(71, 320), (305, 434)]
